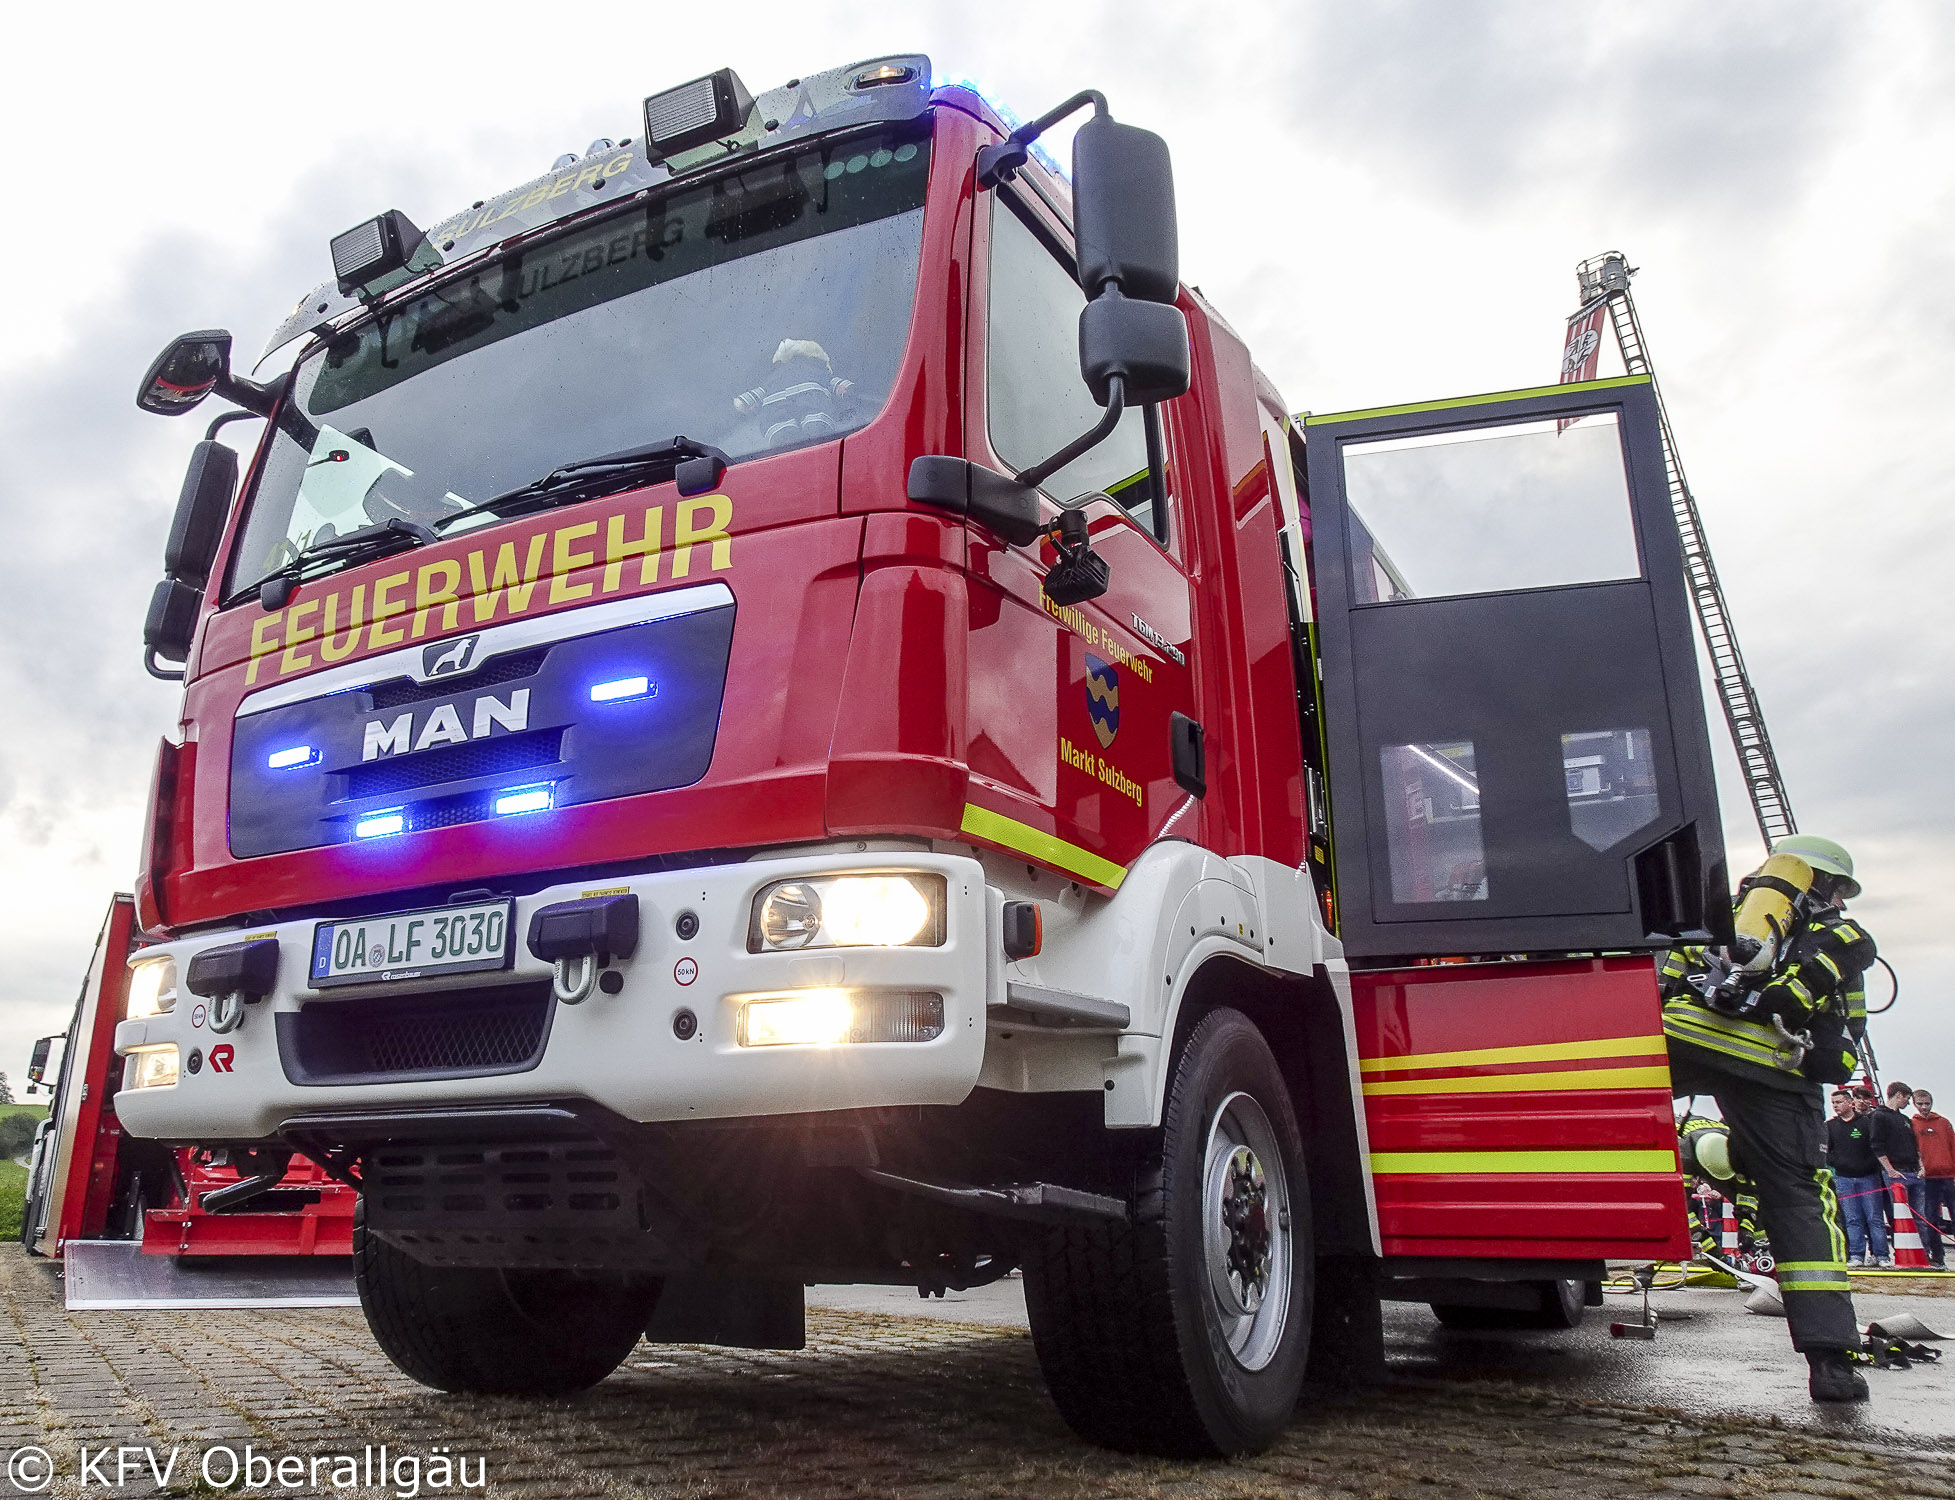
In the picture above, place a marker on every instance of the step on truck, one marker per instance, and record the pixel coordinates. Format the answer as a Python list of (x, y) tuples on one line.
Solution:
[(785, 704)]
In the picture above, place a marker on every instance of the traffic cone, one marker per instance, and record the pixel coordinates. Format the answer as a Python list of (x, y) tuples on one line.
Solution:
[(1728, 1237), (1909, 1253)]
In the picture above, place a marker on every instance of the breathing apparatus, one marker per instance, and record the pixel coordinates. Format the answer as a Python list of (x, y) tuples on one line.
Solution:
[(1774, 902)]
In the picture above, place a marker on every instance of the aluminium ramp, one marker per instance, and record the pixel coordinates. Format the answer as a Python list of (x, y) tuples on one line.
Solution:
[(114, 1275)]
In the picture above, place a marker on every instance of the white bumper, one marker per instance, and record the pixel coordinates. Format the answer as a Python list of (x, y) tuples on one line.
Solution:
[(619, 1051)]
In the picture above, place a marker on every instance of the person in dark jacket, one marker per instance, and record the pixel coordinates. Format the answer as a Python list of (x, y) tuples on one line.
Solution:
[(1757, 1030), (1857, 1180), (1900, 1161)]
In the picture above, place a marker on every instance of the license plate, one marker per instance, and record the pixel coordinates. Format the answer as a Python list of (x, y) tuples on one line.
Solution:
[(412, 944)]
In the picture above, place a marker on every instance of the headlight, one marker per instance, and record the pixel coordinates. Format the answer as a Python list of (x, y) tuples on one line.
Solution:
[(150, 1067), (152, 989), (849, 911)]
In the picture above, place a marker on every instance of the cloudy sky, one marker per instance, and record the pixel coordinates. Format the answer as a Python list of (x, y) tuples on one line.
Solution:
[(1386, 199)]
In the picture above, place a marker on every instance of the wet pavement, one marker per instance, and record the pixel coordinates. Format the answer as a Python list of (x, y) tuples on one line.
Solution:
[(1710, 1358)]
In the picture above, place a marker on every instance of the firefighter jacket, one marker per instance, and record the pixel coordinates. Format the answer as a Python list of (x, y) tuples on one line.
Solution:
[(1817, 991)]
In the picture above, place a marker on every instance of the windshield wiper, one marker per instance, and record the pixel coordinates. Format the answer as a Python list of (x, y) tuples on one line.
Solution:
[(697, 467), (396, 534)]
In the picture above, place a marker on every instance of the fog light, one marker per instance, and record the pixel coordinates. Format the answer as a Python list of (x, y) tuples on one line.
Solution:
[(152, 989), (150, 1067), (818, 1018)]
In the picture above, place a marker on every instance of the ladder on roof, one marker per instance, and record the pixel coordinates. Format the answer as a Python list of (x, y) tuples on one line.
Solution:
[(1606, 277)]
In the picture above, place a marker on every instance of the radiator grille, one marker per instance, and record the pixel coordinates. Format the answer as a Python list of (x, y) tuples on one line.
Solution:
[(393, 1038), (492, 757)]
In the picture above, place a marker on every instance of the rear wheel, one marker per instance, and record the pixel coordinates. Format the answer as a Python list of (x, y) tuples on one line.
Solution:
[(1184, 1331), (522, 1332), (1563, 1302)]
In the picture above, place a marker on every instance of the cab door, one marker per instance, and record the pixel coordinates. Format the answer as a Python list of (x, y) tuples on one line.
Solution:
[(1071, 707), (1519, 761)]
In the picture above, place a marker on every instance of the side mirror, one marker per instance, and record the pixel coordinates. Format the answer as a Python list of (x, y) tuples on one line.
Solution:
[(191, 368), (1123, 212), (1003, 504), (201, 508), (1143, 343), (37, 1065), (171, 622), (187, 371)]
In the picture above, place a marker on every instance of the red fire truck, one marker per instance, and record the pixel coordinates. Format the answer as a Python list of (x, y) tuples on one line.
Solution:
[(128, 1214), (785, 704)]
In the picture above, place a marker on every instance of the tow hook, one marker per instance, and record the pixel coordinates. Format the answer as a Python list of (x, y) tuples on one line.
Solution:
[(233, 976), (579, 939)]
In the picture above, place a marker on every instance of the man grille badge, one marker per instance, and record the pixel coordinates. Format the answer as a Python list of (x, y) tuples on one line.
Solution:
[(447, 658)]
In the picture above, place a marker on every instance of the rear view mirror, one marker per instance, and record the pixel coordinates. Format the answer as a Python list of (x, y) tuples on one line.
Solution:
[(187, 371), (1123, 212), (201, 508), (191, 368), (37, 1065), (1144, 343)]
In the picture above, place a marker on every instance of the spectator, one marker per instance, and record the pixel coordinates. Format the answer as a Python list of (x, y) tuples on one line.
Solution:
[(1856, 1179), (1936, 1139), (1900, 1161)]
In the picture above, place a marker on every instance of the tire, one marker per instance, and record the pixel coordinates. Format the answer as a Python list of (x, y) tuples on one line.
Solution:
[(514, 1332), (1563, 1304), (1139, 1326)]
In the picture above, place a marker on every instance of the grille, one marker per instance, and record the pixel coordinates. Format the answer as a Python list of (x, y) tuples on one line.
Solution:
[(496, 757), (404, 690), (393, 1038), (544, 1203)]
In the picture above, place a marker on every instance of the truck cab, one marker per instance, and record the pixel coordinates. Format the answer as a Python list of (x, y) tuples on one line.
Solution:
[(785, 704)]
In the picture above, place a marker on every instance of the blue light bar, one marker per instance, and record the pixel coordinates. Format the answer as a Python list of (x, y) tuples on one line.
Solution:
[(623, 687), (375, 825), (296, 755), (526, 799)]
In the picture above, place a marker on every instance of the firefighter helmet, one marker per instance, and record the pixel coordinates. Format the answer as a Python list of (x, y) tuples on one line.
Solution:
[(1705, 1146), (1823, 855)]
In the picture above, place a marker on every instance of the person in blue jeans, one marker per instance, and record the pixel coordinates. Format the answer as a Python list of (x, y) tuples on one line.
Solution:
[(1899, 1154), (1857, 1178)]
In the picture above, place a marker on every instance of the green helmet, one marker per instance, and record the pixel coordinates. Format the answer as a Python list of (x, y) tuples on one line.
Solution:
[(1705, 1146), (1821, 854)]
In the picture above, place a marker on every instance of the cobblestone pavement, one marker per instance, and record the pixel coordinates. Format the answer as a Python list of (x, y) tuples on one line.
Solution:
[(878, 1405)]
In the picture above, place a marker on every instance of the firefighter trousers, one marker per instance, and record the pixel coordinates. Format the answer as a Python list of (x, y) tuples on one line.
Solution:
[(1778, 1139)]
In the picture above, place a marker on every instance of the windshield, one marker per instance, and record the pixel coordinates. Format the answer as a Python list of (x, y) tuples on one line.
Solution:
[(758, 312)]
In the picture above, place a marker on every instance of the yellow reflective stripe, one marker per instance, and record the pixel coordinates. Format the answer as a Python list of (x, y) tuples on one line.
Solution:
[(1813, 1265), (1520, 1083), (1829, 1213), (1616, 1046), (1740, 1039), (982, 823), (1574, 387), (1546, 1163), (1842, 1285)]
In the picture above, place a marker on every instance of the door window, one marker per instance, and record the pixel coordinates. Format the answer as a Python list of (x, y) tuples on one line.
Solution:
[(1611, 778), (1036, 401), (1432, 823), (1484, 509)]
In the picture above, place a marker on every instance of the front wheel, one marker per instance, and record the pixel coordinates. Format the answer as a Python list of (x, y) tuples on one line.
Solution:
[(515, 1332), (1184, 1331)]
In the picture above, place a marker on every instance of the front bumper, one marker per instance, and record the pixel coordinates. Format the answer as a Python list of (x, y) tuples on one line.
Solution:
[(620, 1051)]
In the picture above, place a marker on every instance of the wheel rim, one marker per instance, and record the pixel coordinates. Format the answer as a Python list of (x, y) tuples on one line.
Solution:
[(1246, 1231)]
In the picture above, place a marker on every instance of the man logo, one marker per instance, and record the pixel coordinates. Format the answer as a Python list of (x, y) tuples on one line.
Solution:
[(1103, 699), (447, 658)]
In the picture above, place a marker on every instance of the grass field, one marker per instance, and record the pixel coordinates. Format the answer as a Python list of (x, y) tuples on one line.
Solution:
[(13, 1179)]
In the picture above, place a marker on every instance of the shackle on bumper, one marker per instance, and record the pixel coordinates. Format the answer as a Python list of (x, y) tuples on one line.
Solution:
[(580, 938), (231, 977)]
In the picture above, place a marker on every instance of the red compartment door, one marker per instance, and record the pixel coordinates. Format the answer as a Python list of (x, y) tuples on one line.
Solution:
[(1521, 1110)]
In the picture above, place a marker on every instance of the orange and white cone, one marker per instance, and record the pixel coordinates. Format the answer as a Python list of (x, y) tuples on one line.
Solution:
[(1909, 1252), (1728, 1235)]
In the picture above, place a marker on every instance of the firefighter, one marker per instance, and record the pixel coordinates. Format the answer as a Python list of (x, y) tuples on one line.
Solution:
[(1757, 1028)]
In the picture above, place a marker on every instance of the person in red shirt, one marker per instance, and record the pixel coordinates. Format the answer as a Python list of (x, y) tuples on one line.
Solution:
[(1935, 1136)]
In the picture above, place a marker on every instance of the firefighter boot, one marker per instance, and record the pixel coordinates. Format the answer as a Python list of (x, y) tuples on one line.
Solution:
[(1834, 1378)]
